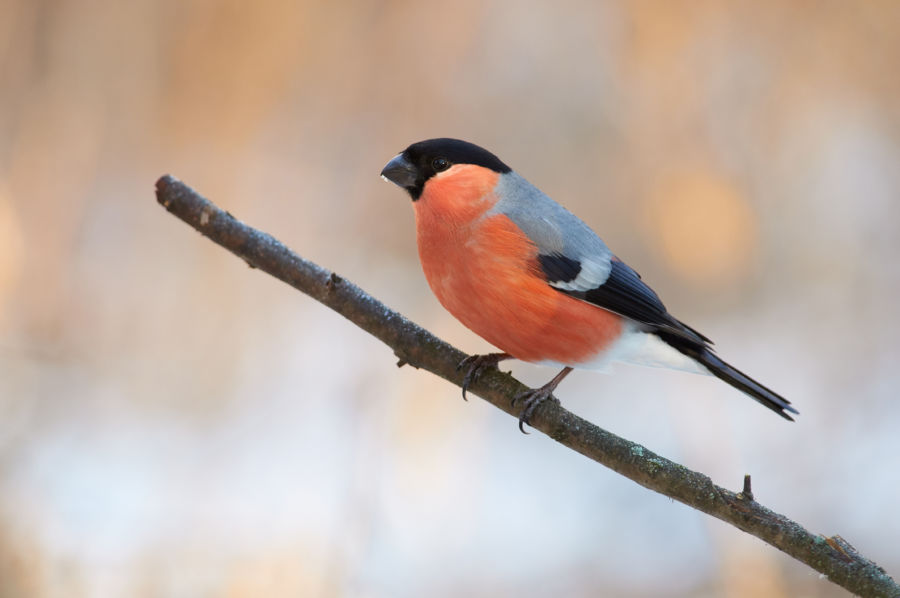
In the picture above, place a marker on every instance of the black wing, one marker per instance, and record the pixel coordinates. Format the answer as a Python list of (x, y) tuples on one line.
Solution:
[(623, 292)]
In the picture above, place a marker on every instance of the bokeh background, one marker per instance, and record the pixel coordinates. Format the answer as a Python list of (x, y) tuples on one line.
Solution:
[(173, 423)]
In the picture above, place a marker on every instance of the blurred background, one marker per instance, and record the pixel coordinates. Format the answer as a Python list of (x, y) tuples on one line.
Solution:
[(173, 423)]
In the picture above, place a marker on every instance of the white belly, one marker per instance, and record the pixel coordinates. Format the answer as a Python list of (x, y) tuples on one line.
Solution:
[(640, 348)]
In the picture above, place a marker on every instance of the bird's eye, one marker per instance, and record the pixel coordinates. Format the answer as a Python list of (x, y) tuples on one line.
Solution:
[(440, 164)]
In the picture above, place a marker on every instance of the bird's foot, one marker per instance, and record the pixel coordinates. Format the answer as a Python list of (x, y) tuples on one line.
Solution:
[(533, 398), (476, 364)]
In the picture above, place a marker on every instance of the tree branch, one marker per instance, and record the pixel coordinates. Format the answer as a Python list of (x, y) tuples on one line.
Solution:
[(831, 556)]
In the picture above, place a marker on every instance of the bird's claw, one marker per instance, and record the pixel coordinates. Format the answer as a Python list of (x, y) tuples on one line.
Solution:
[(476, 364), (531, 399)]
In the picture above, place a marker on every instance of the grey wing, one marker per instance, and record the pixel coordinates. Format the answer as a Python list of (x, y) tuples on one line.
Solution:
[(556, 232), (577, 262)]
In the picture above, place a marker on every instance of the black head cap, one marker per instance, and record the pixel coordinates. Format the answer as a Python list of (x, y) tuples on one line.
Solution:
[(421, 161)]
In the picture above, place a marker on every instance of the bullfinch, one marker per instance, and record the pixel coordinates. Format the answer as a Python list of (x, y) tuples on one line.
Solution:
[(535, 281)]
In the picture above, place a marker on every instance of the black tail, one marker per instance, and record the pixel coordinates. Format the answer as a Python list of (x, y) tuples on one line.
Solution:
[(741, 381), (721, 370)]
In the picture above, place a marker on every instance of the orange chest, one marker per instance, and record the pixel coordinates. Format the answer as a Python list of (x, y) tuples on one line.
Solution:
[(485, 272), (476, 264)]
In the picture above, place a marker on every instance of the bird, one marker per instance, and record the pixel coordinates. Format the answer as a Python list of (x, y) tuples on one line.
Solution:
[(535, 281)]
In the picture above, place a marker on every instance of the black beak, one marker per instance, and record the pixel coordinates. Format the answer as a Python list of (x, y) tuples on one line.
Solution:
[(400, 171)]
